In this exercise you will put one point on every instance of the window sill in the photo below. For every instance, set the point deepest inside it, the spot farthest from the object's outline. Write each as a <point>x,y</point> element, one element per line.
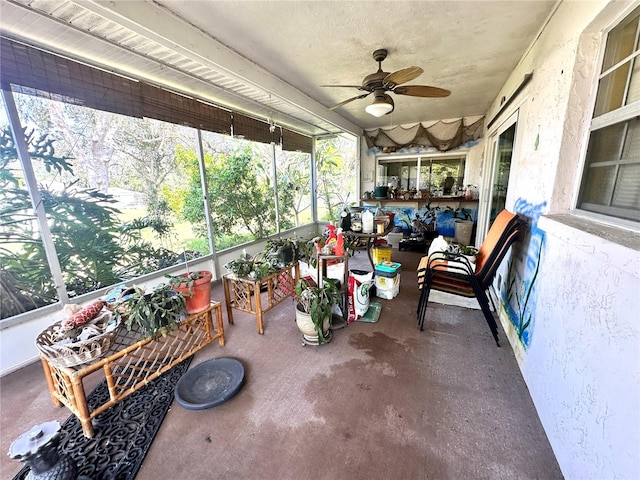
<point>605,232</point>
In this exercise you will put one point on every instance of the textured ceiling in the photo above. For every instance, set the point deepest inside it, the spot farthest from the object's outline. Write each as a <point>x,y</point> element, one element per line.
<point>270,58</point>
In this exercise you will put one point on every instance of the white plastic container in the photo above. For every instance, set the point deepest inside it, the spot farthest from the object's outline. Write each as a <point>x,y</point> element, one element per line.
<point>387,287</point>
<point>367,221</point>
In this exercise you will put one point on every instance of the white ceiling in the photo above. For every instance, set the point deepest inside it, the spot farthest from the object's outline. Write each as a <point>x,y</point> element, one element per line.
<point>270,58</point>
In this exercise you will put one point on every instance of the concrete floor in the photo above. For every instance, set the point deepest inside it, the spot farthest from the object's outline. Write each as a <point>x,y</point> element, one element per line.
<point>381,401</point>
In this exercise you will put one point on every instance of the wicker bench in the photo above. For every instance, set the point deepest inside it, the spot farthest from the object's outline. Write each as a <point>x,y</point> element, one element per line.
<point>132,362</point>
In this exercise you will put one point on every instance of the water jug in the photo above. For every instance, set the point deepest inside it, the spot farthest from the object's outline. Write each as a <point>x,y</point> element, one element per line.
<point>367,221</point>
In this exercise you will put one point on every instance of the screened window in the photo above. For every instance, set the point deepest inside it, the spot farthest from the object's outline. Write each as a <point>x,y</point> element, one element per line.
<point>337,175</point>
<point>294,188</point>
<point>611,179</point>
<point>116,165</point>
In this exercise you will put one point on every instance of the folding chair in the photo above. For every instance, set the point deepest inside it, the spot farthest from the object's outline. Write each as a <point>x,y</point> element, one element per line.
<point>455,274</point>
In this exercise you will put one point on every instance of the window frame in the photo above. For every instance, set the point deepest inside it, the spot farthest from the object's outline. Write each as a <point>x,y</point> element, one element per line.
<point>423,160</point>
<point>602,213</point>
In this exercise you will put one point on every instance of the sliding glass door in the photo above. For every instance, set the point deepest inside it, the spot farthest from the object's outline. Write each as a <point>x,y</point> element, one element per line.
<point>496,181</point>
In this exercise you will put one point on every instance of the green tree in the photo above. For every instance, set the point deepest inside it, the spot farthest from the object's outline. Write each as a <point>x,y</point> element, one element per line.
<point>294,187</point>
<point>82,134</point>
<point>239,184</point>
<point>25,278</point>
<point>148,151</point>
<point>336,167</point>
<point>238,196</point>
<point>94,249</point>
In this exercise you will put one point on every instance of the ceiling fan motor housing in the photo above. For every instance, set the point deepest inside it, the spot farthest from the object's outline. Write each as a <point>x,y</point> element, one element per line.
<point>374,81</point>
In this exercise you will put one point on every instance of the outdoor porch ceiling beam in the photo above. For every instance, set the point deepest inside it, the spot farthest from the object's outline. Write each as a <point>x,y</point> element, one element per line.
<point>164,27</point>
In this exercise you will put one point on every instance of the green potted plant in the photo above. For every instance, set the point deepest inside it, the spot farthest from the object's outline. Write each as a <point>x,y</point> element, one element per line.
<point>253,268</point>
<point>283,251</point>
<point>427,224</point>
<point>313,309</point>
<point>156,312</point>
<point>468,252</point>
<point>195,287</point>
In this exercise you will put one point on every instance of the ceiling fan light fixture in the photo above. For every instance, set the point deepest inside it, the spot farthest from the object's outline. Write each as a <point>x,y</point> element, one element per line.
<point>381,105</point>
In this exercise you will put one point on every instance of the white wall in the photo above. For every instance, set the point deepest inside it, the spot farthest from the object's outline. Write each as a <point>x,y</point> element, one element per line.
<point>583,366</point>
<point>582,363</point>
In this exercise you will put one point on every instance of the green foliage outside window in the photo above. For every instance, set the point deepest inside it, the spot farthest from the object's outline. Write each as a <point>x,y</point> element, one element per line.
<point>93,247</point>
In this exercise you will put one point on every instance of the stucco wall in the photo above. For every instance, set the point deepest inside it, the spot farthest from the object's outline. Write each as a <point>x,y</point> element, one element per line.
<point>580,355</point>
<point>583,365</point>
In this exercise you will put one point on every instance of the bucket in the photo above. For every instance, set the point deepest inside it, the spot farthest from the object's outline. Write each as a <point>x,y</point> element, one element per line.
<point>381,253</point>
<point>381,192</point>
<point>463,230</point>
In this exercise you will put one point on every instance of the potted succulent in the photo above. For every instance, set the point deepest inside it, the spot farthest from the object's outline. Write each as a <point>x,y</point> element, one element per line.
<point>156,312</point>
<point>195,287</point>
<point>468,252</point>
<point>313,309</point>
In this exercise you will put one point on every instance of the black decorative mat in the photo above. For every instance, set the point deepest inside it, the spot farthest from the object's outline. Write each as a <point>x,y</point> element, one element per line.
<point>123,433</point>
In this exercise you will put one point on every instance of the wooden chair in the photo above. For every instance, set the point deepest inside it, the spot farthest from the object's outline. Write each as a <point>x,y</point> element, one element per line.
<point>455,274</point>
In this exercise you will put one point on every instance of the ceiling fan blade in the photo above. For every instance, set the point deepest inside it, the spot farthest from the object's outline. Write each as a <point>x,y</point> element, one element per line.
<point>349,100</point>
<point>422,91</point>
<point>402,76</point>
<point>340,86</point>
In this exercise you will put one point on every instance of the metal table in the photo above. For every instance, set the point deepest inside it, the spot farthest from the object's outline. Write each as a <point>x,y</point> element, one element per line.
<point>370,239</point>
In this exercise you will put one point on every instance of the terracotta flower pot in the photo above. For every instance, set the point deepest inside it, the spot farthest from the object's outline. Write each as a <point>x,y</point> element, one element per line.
<point>197,292</point>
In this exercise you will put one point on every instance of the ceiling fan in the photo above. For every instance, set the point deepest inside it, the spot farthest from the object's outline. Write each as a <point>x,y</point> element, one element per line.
<point>379,83</point>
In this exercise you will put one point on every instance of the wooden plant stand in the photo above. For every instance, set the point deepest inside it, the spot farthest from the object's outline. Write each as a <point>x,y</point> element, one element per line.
<point>132,362</point>
<point>244,294</point>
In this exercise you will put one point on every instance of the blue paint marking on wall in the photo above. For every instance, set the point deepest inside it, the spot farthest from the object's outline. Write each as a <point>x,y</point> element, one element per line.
<point>519,295</point>
<point>445,220</point>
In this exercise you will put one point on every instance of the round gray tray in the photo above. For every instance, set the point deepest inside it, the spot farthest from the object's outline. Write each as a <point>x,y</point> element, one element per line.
<point>210,383</point>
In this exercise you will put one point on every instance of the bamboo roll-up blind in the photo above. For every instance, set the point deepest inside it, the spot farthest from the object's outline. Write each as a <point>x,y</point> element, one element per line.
<point>295,142</point>
<point>173,107</point>
<point>33,71</point>
<point>39,73</point>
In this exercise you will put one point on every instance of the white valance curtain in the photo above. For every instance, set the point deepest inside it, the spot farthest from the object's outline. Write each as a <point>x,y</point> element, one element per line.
<point>443,135</point>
